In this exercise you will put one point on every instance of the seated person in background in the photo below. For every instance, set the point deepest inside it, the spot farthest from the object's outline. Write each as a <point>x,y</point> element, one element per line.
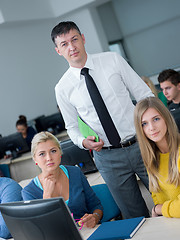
<point>170,83</point>
<point>10,192</point>
<point>66,181</point>
<point>159,143</point>
<point>154,90</point>
<point>26,131</point>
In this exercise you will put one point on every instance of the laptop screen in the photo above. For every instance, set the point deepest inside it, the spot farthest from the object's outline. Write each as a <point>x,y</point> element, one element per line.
<point>42,219</point>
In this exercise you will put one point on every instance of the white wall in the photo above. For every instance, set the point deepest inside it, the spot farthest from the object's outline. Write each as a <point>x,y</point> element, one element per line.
<point>149,30</point>
<point>30,67</point>
<point>151,33</point>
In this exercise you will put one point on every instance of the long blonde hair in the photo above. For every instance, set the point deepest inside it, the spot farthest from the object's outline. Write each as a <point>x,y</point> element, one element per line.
<point>149,150</point>
<point>151,85</point>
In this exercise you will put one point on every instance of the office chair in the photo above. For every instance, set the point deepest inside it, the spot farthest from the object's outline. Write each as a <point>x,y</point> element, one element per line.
<point>73,155</point>
<point>110,208</point>
<point>176,115</point>
<point>5,169</point>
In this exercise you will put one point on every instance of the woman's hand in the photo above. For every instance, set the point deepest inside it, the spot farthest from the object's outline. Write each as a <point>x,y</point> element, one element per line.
<point>89,220</point>
<point>156,210</point>
<point>48,183</point>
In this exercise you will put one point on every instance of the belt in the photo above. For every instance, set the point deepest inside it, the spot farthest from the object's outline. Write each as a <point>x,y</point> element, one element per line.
<point>123,145</point>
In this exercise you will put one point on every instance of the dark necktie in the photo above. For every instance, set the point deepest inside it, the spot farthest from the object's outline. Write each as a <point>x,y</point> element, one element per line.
<point>102,112</point>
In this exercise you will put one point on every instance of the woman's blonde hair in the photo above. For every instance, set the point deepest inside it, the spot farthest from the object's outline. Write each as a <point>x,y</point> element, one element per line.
<point>43,137</point>
<point>149,150</point>
<point>151,85</point>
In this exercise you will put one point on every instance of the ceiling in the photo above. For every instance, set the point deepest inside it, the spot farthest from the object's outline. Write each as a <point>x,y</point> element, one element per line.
<point>27,10</point>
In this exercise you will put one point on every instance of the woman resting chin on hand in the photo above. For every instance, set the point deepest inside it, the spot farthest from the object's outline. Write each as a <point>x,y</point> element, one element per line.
<point>57,180</point>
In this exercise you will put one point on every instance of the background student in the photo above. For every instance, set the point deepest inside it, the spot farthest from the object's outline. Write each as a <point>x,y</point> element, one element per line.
<point>118,160</point>
<point>65,181</point>
<point>154,90</point>
<point>159,143</point>
<point>169,80</point>
<point>10,192</point>
<point>26,131</point>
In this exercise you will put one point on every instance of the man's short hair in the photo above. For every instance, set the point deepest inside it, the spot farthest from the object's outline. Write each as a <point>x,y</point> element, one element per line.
<point>63,28</point>
<point>169,75</point>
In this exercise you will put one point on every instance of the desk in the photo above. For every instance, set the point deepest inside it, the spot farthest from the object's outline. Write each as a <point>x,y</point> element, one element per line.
<point>22,167</point>
<point>62,136</point>
<point>159,228</point>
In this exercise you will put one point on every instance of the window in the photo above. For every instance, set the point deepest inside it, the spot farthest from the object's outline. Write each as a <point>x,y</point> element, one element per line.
<point>118,47</point>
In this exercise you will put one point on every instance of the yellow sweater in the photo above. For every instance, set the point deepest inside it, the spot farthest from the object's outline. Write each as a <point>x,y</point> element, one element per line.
<point>169,194</point>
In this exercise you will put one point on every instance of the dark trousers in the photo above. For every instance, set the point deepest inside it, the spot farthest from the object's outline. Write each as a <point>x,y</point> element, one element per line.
<point>118,167</point>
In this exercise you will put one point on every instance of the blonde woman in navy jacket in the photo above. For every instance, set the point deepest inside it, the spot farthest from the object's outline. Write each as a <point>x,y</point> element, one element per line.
<point>66,181</point>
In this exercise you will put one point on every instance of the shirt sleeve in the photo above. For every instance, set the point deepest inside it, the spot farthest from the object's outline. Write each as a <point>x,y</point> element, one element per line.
<point>70,115</point>
<point>4,232</point>
<point>11,193</point>
<point>136,86</point>
<point>153,195</point>
<point>171,208</point>
<point>31,191</point>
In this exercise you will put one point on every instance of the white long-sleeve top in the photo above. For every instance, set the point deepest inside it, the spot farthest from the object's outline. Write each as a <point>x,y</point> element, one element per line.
<point>116,81</point>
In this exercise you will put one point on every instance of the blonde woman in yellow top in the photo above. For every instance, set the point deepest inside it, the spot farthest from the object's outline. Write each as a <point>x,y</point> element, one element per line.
<point>159,142</point>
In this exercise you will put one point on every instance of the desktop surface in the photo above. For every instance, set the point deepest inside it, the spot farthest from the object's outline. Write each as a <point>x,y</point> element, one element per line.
<point>158,228</point>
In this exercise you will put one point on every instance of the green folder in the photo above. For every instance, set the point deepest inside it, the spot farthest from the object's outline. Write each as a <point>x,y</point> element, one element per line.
<point>86,130</point>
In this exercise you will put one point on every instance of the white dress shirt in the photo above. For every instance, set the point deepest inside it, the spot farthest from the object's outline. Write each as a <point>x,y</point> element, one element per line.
<point>116,81</point>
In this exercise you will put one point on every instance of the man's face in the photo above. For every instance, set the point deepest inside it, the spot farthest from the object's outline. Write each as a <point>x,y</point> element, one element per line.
<point>71,47</point>
<point>171,92</point>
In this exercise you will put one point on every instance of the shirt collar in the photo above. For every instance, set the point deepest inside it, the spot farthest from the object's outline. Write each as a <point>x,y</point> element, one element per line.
<point>89,64</point>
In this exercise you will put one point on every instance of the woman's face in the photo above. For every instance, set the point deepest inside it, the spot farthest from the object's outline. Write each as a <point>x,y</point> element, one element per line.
<point>154,125</point>
<point>47,156</point>
<point>22,129</point>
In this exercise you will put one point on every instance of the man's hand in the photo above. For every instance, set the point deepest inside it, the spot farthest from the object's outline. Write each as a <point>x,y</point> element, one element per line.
<point>89,143</point>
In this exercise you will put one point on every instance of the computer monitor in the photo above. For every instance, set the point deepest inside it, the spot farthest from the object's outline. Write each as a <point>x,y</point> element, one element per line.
<point>38,123</point>
<point>14,143</point>
<point>73,155</point>
<point>2,153</point>
<point>43,219</point>
<point>53,123</point>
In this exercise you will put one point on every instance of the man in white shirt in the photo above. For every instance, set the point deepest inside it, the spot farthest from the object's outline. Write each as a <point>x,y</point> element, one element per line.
<point>116,81</point>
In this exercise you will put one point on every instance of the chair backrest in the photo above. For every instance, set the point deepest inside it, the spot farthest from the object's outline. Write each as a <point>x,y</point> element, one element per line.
<point>110,208</point>
<point>5,169</point>
<point>73,155</point>
<point>176,115</point>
